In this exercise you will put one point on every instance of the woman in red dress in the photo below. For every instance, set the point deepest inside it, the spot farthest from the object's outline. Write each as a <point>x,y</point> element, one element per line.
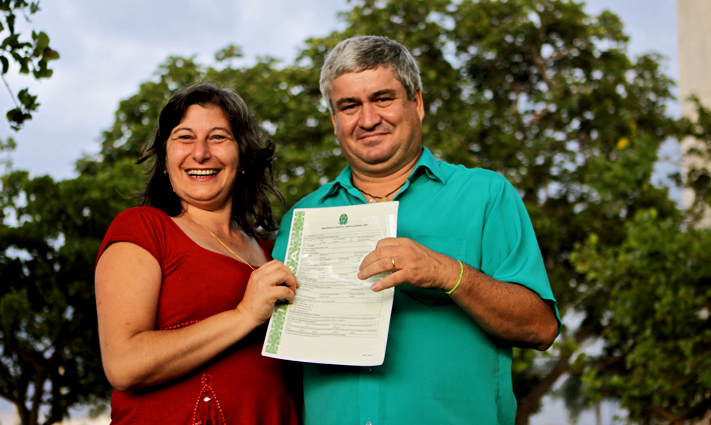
<point>186,283</point>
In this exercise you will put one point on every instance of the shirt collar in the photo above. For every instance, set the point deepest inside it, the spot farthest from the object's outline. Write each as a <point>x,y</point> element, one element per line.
<point>427,163</point>
<point>430,165</point>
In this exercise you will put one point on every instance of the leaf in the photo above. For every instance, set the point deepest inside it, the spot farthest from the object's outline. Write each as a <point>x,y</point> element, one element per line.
<point>5,64</point>
<point>41,44</point>
<point>27,100</point>
<point>29,56</point>
<point>17,117</point>
<point>11,42</point>
<point>229,52</point>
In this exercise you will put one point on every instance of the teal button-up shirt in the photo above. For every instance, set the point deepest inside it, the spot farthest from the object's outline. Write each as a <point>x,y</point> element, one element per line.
<point>440,367</point>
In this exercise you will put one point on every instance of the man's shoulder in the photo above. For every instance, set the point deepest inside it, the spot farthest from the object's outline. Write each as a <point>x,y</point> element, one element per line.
<point>460,174</point>
<point>313,200</point>
<point>316,197</point>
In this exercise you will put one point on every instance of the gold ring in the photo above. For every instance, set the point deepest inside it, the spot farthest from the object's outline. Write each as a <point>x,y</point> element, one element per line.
<point>393,261</point>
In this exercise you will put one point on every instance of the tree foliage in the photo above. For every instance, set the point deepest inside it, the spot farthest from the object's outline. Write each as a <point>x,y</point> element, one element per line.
<point>32,56</point>
<point>49,238</point>
<point>698,174</point>
<point>657,350</point>
<point>536,90</point>
<point>656,355</point>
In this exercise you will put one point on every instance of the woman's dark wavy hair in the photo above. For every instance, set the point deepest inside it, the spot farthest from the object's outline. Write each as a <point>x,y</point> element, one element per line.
<point>251,207</point>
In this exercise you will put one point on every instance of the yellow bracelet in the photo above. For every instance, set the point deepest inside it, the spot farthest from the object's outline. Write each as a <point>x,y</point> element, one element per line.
<point>461,273</point>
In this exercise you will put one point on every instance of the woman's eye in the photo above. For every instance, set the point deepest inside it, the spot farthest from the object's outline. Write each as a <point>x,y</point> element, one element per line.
<point>218,138</point>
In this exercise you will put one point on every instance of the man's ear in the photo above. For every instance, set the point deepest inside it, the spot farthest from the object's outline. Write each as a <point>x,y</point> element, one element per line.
<point>419,104</point>
<point>333,121</point>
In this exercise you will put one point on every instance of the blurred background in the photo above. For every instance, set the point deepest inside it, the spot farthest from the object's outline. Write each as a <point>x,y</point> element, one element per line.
<point>577,104</point>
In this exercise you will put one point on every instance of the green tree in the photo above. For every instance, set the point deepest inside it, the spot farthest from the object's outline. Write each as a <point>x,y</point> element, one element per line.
<point>698,174</point>
<point>656,356</point>
<point>49,236</point>
<point>285,99</point>
<point>536,90</point>
<point>30,55</point>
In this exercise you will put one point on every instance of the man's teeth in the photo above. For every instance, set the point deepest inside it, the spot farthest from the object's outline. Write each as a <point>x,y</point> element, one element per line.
<point>202,173</point>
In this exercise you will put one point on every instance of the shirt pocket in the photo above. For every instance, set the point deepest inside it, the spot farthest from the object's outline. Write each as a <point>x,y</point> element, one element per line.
<point>452,247</point>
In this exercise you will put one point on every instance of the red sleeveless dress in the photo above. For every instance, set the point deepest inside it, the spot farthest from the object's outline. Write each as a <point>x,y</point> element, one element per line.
<point>239,386</point>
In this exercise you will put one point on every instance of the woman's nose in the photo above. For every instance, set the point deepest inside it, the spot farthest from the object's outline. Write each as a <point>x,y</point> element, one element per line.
<point>201,150</point>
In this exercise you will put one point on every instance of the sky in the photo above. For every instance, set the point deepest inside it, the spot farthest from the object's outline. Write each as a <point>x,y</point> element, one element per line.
<point>109,48</point>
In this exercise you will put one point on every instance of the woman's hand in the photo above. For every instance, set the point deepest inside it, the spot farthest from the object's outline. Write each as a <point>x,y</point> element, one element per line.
<point>268,284</point>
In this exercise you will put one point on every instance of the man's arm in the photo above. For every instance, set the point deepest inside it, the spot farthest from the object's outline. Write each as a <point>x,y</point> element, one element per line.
<point>507,311</point>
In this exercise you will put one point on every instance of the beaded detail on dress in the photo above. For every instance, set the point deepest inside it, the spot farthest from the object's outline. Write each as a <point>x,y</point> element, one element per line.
<point>180,325</point>
<point>207,408</point>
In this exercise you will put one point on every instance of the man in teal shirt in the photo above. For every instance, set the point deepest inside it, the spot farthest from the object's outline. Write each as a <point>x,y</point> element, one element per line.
<point>468,274</point>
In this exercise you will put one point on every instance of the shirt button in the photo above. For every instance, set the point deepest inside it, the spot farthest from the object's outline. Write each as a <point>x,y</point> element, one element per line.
<point>368,422</point>
<point>369,371</point>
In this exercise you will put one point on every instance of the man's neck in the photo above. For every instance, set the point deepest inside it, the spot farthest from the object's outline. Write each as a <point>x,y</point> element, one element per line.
<point>378,186</point>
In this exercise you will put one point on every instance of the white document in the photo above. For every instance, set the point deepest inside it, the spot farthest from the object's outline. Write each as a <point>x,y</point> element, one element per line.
<point>335,318</point>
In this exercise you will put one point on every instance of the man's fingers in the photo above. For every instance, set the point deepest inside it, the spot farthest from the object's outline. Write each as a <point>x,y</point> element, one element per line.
<point>377,255</point>
<point>388,282</point>
<point>381,265</point>
<point>385,248</point>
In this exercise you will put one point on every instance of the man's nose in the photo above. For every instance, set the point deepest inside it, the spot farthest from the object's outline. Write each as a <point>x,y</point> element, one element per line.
<point>369,116</point>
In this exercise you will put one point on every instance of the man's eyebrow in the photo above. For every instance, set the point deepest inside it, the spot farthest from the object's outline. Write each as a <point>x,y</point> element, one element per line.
<point>383,92</point>
<point>388,92</point>
<point>346,100</point>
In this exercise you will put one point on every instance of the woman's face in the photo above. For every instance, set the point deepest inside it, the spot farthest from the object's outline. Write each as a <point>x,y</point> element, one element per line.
<point>202,158</point>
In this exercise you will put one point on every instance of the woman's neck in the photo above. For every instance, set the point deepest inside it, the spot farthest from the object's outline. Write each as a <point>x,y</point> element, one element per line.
<point>219,221</point>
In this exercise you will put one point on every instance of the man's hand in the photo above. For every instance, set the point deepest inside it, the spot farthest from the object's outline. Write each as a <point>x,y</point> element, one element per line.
<point>411,263</point>
<point>508,311</point>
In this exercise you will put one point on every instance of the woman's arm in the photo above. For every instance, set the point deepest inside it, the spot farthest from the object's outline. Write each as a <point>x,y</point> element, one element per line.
<point>128,282</point>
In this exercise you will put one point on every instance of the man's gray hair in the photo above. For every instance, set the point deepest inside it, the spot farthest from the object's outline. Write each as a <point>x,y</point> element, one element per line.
<point>369,52</point>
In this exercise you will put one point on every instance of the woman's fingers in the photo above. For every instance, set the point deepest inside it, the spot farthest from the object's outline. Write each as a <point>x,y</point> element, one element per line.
<point>268,285</point>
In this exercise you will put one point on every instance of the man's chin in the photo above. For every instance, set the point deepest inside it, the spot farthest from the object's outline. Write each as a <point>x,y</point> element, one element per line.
<point>376,156</point>
<point>376,163</point>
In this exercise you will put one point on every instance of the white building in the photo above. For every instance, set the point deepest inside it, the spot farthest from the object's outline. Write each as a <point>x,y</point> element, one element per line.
<point>694,17</point>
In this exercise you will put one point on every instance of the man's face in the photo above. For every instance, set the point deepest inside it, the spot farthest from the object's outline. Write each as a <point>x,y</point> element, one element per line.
<point>378,128</point>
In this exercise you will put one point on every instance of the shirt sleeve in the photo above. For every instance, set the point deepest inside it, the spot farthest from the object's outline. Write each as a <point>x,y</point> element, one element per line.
<point>139,226</point>
<point>510,249</point>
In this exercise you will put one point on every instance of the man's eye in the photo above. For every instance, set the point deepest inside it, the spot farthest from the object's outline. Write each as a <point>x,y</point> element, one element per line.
<point>349,109</point>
